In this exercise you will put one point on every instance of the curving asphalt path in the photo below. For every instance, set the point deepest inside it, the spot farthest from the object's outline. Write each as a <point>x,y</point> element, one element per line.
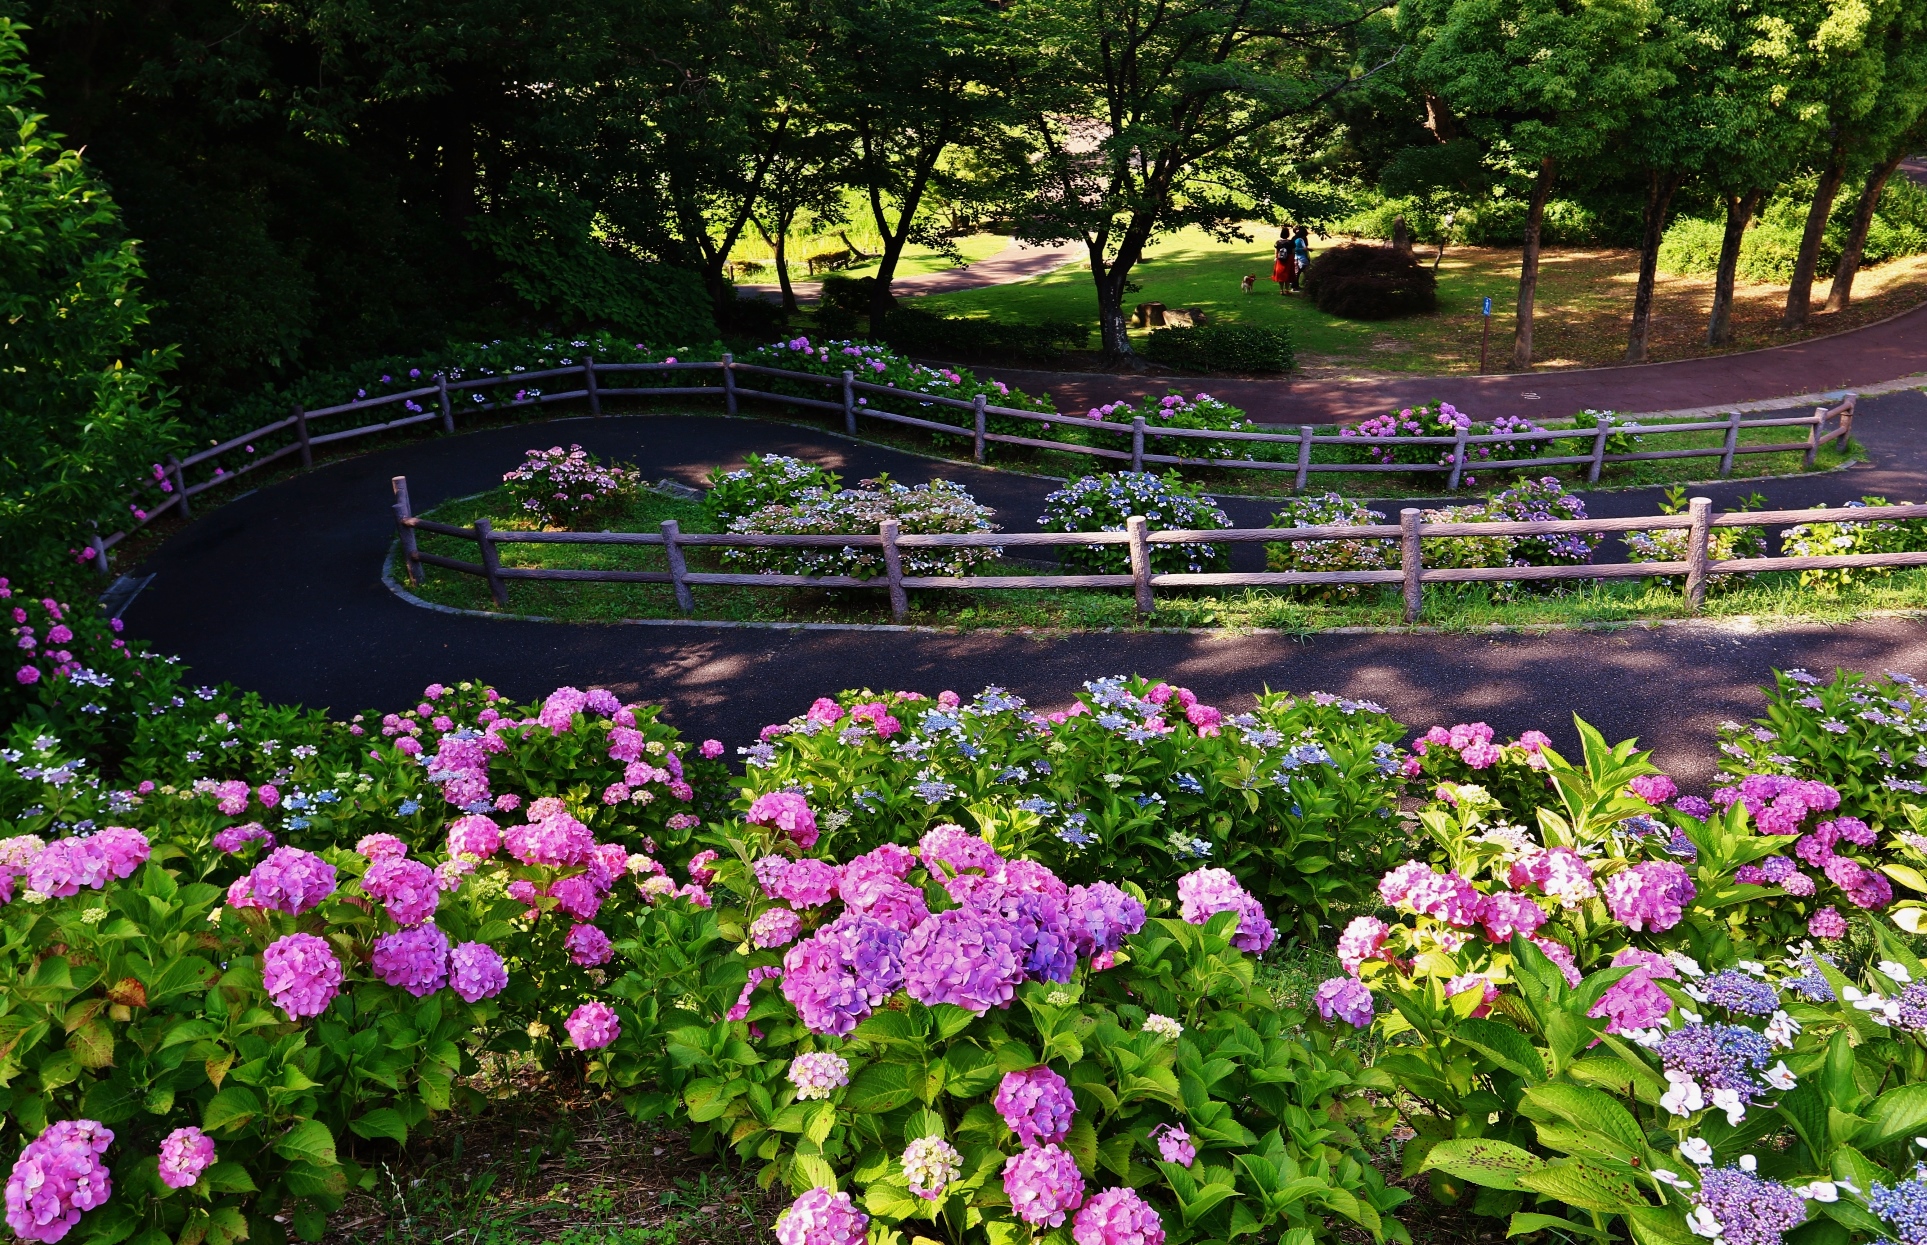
<point>280,591</point>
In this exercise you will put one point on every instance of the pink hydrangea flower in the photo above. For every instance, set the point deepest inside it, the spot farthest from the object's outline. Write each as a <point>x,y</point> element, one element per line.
<point>1174,1144</point>
<point>1346,999</point>
<point>1362,940</point>
<point>1481,755</point>
<point>711,749</point>
<point>234,838</point>
<point>555,838</point>
<point>1506,913</point>
<point>291,881</point>
<point>185,1154</point>
<point>1117,1217</point>
<point>777,927</point>
<point>559,709</point>
<point>593,1025</point>
<point>1827,923</point>
<point>958,850</point>
<point>1446,896</point>
<point>821,1217</point>
<point>787,811</point>
<point>588,946</point>
<point>1208,722</point>
<point>407,888</point>
<point>1037,1105</point>
<point>1650,896</point>
<point>699,865</point>
<point>1634,1002</point>
<point>578,896</point>
<point>381,847</point>
<point>1043,1185</point>
<point>268,795</point>
<point>1561,957</point>
<point>57,1178</point>
<point>1559,873</point>
<point>231,797</point>
<point>301,975</point>
<point>757,976</point>
<point>415,959</point>
<point>1205,892</point>
<point>476,972</point>
<point>1101,916</point>
<point>972,959</point>
<point>1655,789</point>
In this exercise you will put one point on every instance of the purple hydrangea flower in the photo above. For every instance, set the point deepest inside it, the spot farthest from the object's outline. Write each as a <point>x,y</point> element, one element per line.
<point>476,972</point>
<point>806,883</point>
<point>290,880</point>
<point>835,977</point>
<point>415,959</point>
<point>958,850</point>
<point>234,838</point>
<point>1037,1105</point>
<point>1174,1144</point>
<point>1206,892</point>
<point>1827,923</point>
<point>593,1025</point>
<point>1741,992</point>
<point>821,1217</point>
<point>1746,1210</point>
<point>1043,1185</point>
<point>1347,999</point>
<point>185,1154</point>
<point>588,946</point>
<point>787,811</point>
<point>962,956</point>
<point>301,974</point>
<point>1117,1217</point>
<point>1718,1056</point>
<point>1904,1205</point>
<point>1101,917</point>
<point>1650,896</point>
<point>1634,1002</point>
<point>777,927</point>
<point>406,888</point>
<point>474,835</point>
<point>57,1178</point>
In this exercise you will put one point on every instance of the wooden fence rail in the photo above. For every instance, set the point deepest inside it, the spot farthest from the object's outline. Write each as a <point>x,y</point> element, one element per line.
<point>438,403</point>
<point>1411,531</point>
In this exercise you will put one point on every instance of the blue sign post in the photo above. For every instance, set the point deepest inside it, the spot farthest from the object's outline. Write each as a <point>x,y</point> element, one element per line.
<point>1485,334</point>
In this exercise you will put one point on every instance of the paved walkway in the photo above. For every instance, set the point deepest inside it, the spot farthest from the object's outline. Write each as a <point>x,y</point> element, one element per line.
<point>1019,261</point>
<point>280,591</point>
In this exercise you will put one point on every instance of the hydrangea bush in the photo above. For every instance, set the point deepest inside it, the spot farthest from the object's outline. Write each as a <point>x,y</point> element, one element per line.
<point>762,481</point>
<point>1872,535</point>
<point>566,488</point>
<point>941,506</point>
<point>1723,543</point>
<point>1441,420</point>
<point>1102,503</point>
<point>1329,510</point>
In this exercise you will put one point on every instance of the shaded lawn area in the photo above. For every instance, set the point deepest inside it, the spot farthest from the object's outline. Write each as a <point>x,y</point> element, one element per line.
<point>1584,306</point>
<point>1449,607</point>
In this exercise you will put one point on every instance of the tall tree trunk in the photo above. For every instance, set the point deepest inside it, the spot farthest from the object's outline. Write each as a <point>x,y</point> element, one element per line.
<point>1660,189</point>
<point>1111,279</point>
<point>1799,296</point>
<point>776,242</point>
<point>1842,292</point>
<point>1529,264</point>
<point>1739,211</point>
<point>881,300</point>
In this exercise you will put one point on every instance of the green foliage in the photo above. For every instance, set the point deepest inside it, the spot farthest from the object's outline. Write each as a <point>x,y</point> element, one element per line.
<point>1233,349</point>
<point>82,409</point>
<point>1370,283</point>
<point>1807,540</point>
<point>1768,251</point>
<point>762,481</point>
<point>921,332</point>
<point>1329,510</point>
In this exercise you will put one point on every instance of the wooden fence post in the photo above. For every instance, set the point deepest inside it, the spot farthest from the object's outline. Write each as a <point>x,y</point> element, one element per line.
<point>410,552</point>
<point>588,383</point>
<point>1846,420</point>
<point>448,409</point>
<point>977,421</point>
<point>729,383</point>
<point>1813,437</point>
<point>1140,563</point>
<point>99,547</point>
<point>491,562</point>
<point>893,565</point>
<point>179,473</point>
<point>1598,448</point>
<point>301,431</point>
<point>671,538</point>
<point>849,401</point>
<point>1698,551</point>
<point>1732,440</point>
<point>1137,443</point>
<point>1458,461</point>
<point>1304,458</point>
<point>1412,562</point>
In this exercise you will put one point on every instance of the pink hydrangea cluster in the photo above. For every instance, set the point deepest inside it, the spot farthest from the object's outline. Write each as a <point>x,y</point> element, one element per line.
<point>289,880</point>
<point>1174,1144</point>
<point>1558,873</point>
<point>414,959</point>
<point>1043,1185</point>
<point>1864,887</point>
<point>966,957</point>
<point>185,1154</point>
<point>407,888</point>
<point>878,715</point>
<point>560,707</point>
<point>1505,913</point>
<point>1036,1104</point>
<point>778,927</point>
<point>64,866</point>
<point>818,1074</point>
<point>476,971</point>
<point>1363,939</point>
<point>700,871</point>
<point>234,838</point>
<point>1117,1217</point>
<point>873,883</point>
<point>1634,1002</point>
<point>958,851</point>
<point>757,976</point>
<point>474,835</point>
<point>1777,803</point>
<point>788,812</point>
<point>806,883</point>
<point>57,1178</point>
<point>838,975</point>
<point>231,797</point>
<point>1346,999</point>
<point>588,946</point>
<point>1650,896</point>
<point>550,837</point>
<point>1101,917</point>
<point>821,1217</point>
<point>1417,887</point>
<point>1203,893</point>
<point>301,975</point>
<point>1827,923</point>
<point>381,847</point>
<point>1471,740</point>
<point>460,767</point>
<point>593,1025</point>
<point>1655,789</point>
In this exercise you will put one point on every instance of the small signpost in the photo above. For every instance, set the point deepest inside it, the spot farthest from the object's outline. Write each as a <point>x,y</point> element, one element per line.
<point>1485,334</point>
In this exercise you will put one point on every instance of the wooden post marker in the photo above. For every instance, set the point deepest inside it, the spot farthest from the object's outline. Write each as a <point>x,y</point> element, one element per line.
<point>99,547</point>
<point>1304,458</point>
<point>1137,443</point>
<point>893,564</point>
<point>977,422</point>
<point>1813,437</point>
<point>849,401</point>
<point>1458,460</point>
<point>491,562</point>
<point>1732,440</point>
<point>729,383</point>
<point>678,572</point>
<point>1698,551</point>
<point>448,410</point>
<point>1140,563</point>
<point>589,385</point>
<point>410,553</point>
<point>1598,448</point>
<point>1412,562</point>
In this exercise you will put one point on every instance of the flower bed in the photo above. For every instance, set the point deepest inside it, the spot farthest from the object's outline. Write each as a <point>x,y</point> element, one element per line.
<point>564,488</point>
<point>1103,504</point>
<point>1442,420</point>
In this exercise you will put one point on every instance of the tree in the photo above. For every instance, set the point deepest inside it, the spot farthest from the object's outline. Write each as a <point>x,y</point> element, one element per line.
<point>1544,84</point>
<point>82,408</point>
<point>1840,294</point>
<point>1146,116</point>
<point>806,178</point>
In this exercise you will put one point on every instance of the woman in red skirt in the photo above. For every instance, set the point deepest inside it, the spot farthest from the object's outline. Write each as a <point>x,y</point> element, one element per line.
<point>1284,262</point>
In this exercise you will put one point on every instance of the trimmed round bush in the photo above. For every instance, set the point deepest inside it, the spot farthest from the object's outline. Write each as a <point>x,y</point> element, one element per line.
<point>1221,348</point>
<point>1370,283</point>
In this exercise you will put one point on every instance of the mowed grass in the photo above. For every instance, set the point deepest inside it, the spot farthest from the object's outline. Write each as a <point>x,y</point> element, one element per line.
<point>1448,607</point>
<point>1584,306</point>
<point>915,260</point>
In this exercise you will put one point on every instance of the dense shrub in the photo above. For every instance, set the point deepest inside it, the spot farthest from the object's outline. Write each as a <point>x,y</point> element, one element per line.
<point>1723,543</point>
<point>1233,349</point>
<point>1103,503</point>
<point>1441,420</point>
<point>1772,244</point>
<point>937,507</point>
<point>566,488</point>
<point>1535,501</point>
<point>916,331</point>
<point>762,481</point>
<point>1370,283</point>
<point>1810,540</point>
<point>1329,510</point>
<point>879,365</point>
<point>1174,410</point>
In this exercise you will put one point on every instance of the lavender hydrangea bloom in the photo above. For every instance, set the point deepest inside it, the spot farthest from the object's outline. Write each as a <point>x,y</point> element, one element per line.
<point>872,951</point>
<point>1745,1209</point>
<point>1650,896</point>
<point>185,1154</point>
<point>821,1217</point>
<point>57,1178</point>
<point>593,1025</point>
<point>1043,1185</point>
<point>234,838</point>
<point>1904,1206</point>
<point>1718,1056</point>
<point>835,977</point>
<point>476,972</point>
<point>1117,1217</point>
<point>291,880</point>
<point>1037,1105</point>
<point>963,957</point>
<point>1101,917</point>
<point>818,1074</point>
<point>1174,1144</point>
<point>1206,892</point>
<point>588,946</point>
<point>777,927</point>
<point>301,975</point>
<point>415,959</point>
<point>1050,947</point>
<point>1741,992</point>
<point>1346,999</point>
<point>1913,1007</point>
<point>406,888</point>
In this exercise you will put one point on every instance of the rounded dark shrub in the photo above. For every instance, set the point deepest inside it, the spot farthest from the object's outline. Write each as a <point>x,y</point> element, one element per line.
<point>1370,283</point>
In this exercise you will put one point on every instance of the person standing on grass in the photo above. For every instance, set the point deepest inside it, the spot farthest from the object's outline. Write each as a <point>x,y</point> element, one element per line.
<point>1284,262</point>
<point>1300,254</point>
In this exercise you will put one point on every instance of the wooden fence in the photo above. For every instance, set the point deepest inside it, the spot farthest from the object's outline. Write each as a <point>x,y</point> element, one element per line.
<point>1131,438</point>
<point>1412,574</point>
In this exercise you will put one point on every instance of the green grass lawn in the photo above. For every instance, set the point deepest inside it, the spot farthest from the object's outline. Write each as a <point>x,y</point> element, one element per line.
<point>1451,607</point>
<point>915,260</point>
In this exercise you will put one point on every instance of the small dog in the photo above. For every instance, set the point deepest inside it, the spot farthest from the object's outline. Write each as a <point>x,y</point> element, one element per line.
<point>1250,280</point>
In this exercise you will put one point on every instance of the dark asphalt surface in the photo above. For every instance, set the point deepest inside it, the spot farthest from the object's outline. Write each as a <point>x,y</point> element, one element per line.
<point>280,591</point>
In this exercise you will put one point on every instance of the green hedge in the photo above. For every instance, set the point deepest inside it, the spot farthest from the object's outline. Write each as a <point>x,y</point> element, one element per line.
<point>1221,348</point>
<point>922,332</point>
